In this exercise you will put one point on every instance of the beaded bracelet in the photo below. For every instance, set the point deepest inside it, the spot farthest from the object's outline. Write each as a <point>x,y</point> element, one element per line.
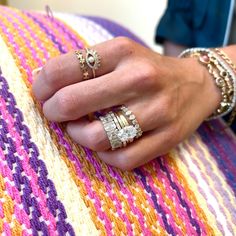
<point>232,65</point>
<point>223,75</point>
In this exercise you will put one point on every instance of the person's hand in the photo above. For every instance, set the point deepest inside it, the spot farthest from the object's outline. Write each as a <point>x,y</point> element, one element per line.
<point>170,98</point>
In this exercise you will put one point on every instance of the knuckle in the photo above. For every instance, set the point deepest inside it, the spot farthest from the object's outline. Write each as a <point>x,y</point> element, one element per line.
<point>147,75</point>
<point>124,45</point>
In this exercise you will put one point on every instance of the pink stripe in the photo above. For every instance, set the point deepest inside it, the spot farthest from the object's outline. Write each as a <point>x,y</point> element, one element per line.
<point>150,201</point>
<point>82,176</point>
<point>13,192</point>
<point>17,50</point>
<point>32,34</point>
<point>1,209</point>
<point>28,170</point>
<point>123,189</point>
<point>21,31</point>
<point>51,26</point>
<point>22,216</point>
<point>214,178</point>
<point>171,194</point>
<point>184,195</point>
<point>7,229</point>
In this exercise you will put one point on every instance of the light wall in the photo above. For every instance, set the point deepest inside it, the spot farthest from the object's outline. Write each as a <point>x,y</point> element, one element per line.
<point>141,16</point>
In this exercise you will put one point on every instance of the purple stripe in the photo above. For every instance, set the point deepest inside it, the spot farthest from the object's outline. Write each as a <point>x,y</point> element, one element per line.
<point>21,181</point>
<point>157,206</point>
<point>71,37</point>
<point>114,28</point>
<point>219,152</point>
<point>214,178</point>
<point>181,199</point>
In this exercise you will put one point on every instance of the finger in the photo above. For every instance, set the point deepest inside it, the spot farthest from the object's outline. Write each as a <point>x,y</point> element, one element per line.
<point>65,70</point>
<point>93,135</point>
<point>148,147</point>
<point>88,134</point>
<point>78,100</point>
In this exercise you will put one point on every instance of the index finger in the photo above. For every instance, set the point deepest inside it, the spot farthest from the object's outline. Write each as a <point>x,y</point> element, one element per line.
<point>65,70</point>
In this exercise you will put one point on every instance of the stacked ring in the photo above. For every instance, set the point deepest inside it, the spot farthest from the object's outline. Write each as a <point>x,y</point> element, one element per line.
<point>83,67</point>
<point>92,60</point>
<point>121,127</point>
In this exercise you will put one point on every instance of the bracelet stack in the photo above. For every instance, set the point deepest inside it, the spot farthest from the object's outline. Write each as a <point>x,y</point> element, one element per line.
<point>223,71</point>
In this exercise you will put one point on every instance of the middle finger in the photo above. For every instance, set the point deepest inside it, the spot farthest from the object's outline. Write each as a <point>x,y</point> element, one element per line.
<point>77,100</point>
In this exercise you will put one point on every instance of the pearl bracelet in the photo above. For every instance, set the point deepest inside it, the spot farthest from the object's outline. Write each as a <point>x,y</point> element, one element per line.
<point>223,75</point>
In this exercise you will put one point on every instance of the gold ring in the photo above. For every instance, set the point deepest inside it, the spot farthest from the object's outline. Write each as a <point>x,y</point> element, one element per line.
<point>83,67</point>
<point>93,60</point>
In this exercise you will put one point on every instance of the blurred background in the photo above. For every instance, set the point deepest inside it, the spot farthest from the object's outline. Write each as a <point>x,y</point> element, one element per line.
<point>140,16</point>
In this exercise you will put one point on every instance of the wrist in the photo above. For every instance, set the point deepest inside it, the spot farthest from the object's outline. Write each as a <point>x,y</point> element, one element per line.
<point>222,70</point>
<point>210,95</point>
<point>231,52</point>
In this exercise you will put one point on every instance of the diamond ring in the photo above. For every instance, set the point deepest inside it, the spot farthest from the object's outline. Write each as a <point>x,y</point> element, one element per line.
<point>121,127</point>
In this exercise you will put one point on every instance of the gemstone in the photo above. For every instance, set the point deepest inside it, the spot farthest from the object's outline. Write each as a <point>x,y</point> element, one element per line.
<point>131,117</point>
<point>110,126</point>
<point>91,60</point>
<point>127,133</point>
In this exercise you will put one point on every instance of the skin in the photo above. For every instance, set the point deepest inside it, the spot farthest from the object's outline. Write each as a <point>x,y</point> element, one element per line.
<point>170,98</point>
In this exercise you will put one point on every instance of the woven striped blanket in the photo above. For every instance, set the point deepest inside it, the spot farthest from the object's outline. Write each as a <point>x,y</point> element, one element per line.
<point>52,186</point>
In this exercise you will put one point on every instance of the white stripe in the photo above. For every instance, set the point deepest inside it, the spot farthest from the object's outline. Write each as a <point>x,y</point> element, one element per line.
<point>211,200</point>
<point>87,29</point>
<point>229,23</point>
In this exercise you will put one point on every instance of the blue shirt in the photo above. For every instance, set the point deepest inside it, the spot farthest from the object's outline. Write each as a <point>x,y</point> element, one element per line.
<point>196,23</point>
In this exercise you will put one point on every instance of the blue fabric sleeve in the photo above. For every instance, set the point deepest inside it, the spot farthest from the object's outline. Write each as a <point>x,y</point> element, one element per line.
<point>176,25</point>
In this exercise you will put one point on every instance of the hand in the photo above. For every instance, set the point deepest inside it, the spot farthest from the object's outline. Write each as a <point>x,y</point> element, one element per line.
<point>170,98</point>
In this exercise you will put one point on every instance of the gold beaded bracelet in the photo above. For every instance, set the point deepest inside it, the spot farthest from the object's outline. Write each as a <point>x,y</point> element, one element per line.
<point>233,66</point>
<point>223,73</point>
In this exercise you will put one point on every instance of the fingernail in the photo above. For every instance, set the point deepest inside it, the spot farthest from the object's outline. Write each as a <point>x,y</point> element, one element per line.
<point>36,71</point>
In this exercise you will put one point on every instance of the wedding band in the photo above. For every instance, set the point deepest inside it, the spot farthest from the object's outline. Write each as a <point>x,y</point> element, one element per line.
<point>132,119</point>
<point>121,127</point>
<point>83,67</point>
<point>111,130</point>
<point>93,60</point>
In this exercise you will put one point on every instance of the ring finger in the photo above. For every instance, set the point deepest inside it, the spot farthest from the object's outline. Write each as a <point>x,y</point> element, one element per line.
<point>93,135</point>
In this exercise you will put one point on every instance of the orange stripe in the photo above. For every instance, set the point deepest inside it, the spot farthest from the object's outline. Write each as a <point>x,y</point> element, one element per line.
<point>191,196</point>
<point>8,210</point>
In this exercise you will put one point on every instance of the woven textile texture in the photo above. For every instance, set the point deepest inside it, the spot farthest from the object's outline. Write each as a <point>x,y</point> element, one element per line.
<point>51,186</point>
